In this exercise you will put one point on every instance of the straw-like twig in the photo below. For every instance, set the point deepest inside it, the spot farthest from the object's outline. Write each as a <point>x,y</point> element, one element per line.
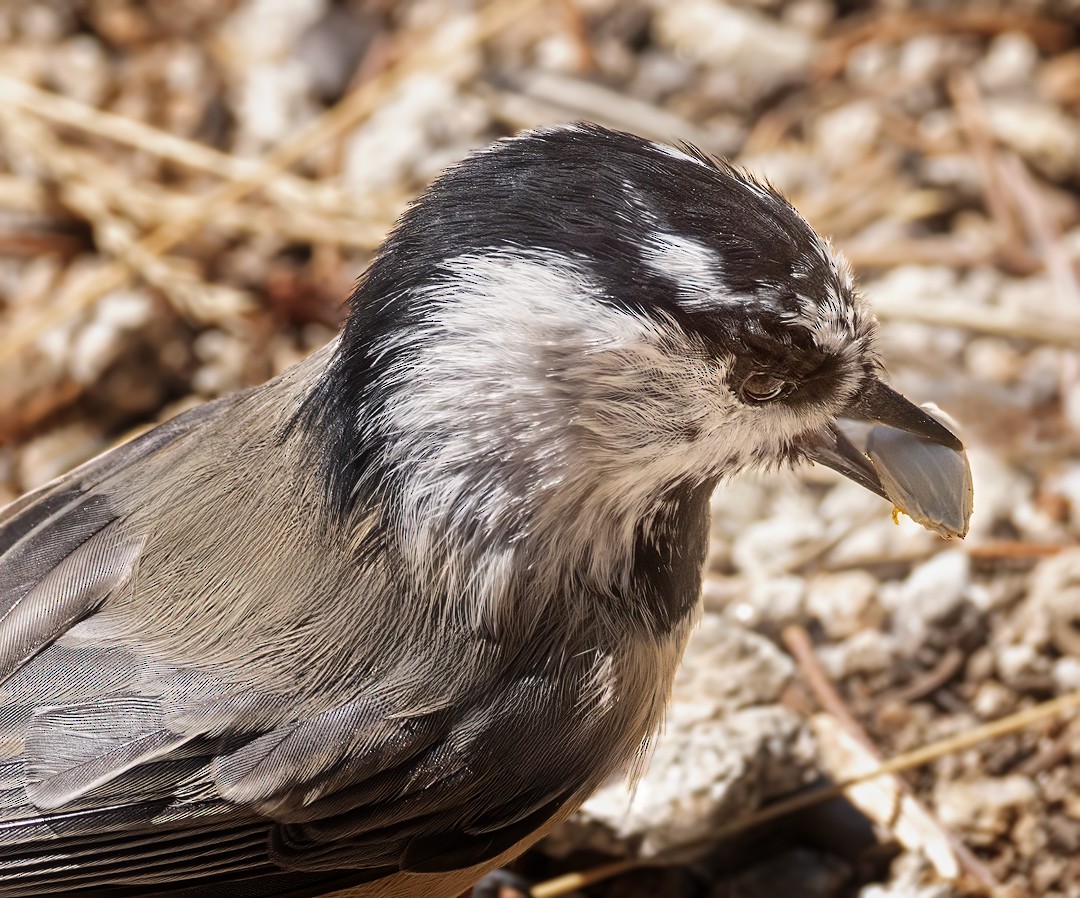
<point>283,187</point>
<point>564,885</point>
<point>80,189</point>
<point>444,44</point>
<point>1057,329</point>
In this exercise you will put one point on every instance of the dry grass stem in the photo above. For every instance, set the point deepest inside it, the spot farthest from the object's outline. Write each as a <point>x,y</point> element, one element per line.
<point>564,885</point>
<point>432,53</point>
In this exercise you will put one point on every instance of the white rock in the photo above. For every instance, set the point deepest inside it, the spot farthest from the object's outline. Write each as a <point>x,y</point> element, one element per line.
<point>711,761</point>
<point>1052,602</point>
<point>100,342</point>
<point>869,63</point>
<point>993,359</point>
<point>993,700</point>
<point>773,543</point>
<point>397,137</point>
<point>1044,135</point>
<point>910,877</point>
<point>842,602</point>
<point>96,346</point>
<point>1017,662</point>
<point>983,809</point>
<point>81,69</point>
<point>44,22</point>
<point>776,600</point>
<point>266,29</point>
<point>55,452</point>
<point>1010,63</point>
<point>1066,674</point>
<point>699,773</point>
<point>729,667</point>
<point>845,134</point>
<point>559,52</point>
<point>272,101</point>
<point>867,652</point>
<point>735,40</point>
<point>924,57</point>
<point>932,593</point>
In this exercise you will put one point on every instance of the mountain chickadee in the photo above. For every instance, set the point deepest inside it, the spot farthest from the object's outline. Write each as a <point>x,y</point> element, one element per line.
<point>382,621</point>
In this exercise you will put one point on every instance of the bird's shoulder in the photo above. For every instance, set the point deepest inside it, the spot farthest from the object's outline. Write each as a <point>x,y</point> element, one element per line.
<point>164,675</point>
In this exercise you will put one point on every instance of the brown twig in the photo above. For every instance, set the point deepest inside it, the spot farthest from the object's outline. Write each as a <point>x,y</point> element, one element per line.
<point>1055,329</point>
<point>286,188</point>
<point>1044,232</point>
<point>801,647</point>
<point>443,44</point>
<point>968,104</point>
<point>900,25</point>
<point>74,175</point>
<point>911,760</point>
<point>953,251</point>
<point>798,642</point>
<point>949,665</point>
<point>1015,550</point>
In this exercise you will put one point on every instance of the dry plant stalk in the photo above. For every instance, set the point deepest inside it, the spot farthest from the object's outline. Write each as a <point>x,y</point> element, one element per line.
<point>564,885</point>
<point>83,184</point>
<point>445,43</point>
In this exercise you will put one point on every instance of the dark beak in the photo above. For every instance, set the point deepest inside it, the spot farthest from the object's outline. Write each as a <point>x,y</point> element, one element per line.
<point>883,405</point>
<point>911,459</point>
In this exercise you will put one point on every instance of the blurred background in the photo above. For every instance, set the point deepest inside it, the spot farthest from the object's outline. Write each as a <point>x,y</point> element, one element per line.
<point>190,188</point>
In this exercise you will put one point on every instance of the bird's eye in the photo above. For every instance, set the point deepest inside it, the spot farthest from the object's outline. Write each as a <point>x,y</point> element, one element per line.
<point>761,387</point>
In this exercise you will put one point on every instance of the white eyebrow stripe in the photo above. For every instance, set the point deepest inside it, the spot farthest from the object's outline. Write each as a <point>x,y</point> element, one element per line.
<point>689,263</point>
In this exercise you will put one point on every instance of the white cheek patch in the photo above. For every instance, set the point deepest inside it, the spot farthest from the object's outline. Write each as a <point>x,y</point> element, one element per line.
<point>525,399</point>
<point>691,265</point>
<point>495,312</point>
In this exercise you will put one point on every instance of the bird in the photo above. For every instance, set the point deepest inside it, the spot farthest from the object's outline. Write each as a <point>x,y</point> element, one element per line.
<point>377,624</point>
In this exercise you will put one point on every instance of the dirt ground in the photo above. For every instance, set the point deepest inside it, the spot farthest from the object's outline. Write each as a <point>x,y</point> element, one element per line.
<point>189,188</point>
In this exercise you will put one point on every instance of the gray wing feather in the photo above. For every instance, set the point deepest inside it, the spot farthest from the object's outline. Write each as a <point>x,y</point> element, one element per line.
<point>69,592</point>
<point>78,748</point>
<point>28,513</point>
<point>124,762</point>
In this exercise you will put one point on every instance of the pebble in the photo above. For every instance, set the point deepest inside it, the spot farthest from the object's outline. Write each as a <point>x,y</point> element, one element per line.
<point>994,359</point>
<point>864,653</point>
<point>843,603</point>
<point>930,595</point>
<point>100,342</point>
<point>81,70</point>
<point>774,545</point>
<point>700,772</point>
<point>753,54</point>
<point>1052,602</point>
<point>846,134</point>
<point>910,877</point>
<point>983,809</point>
<point>778,601</point>
<point>55,452</point>
<point>993,700</point>
<point>1043,135</point>
<point>725,748</point>
<point>727,667</point>
<point>331,48</point>
<point>1009,64</point>
<point>1017,663</point>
